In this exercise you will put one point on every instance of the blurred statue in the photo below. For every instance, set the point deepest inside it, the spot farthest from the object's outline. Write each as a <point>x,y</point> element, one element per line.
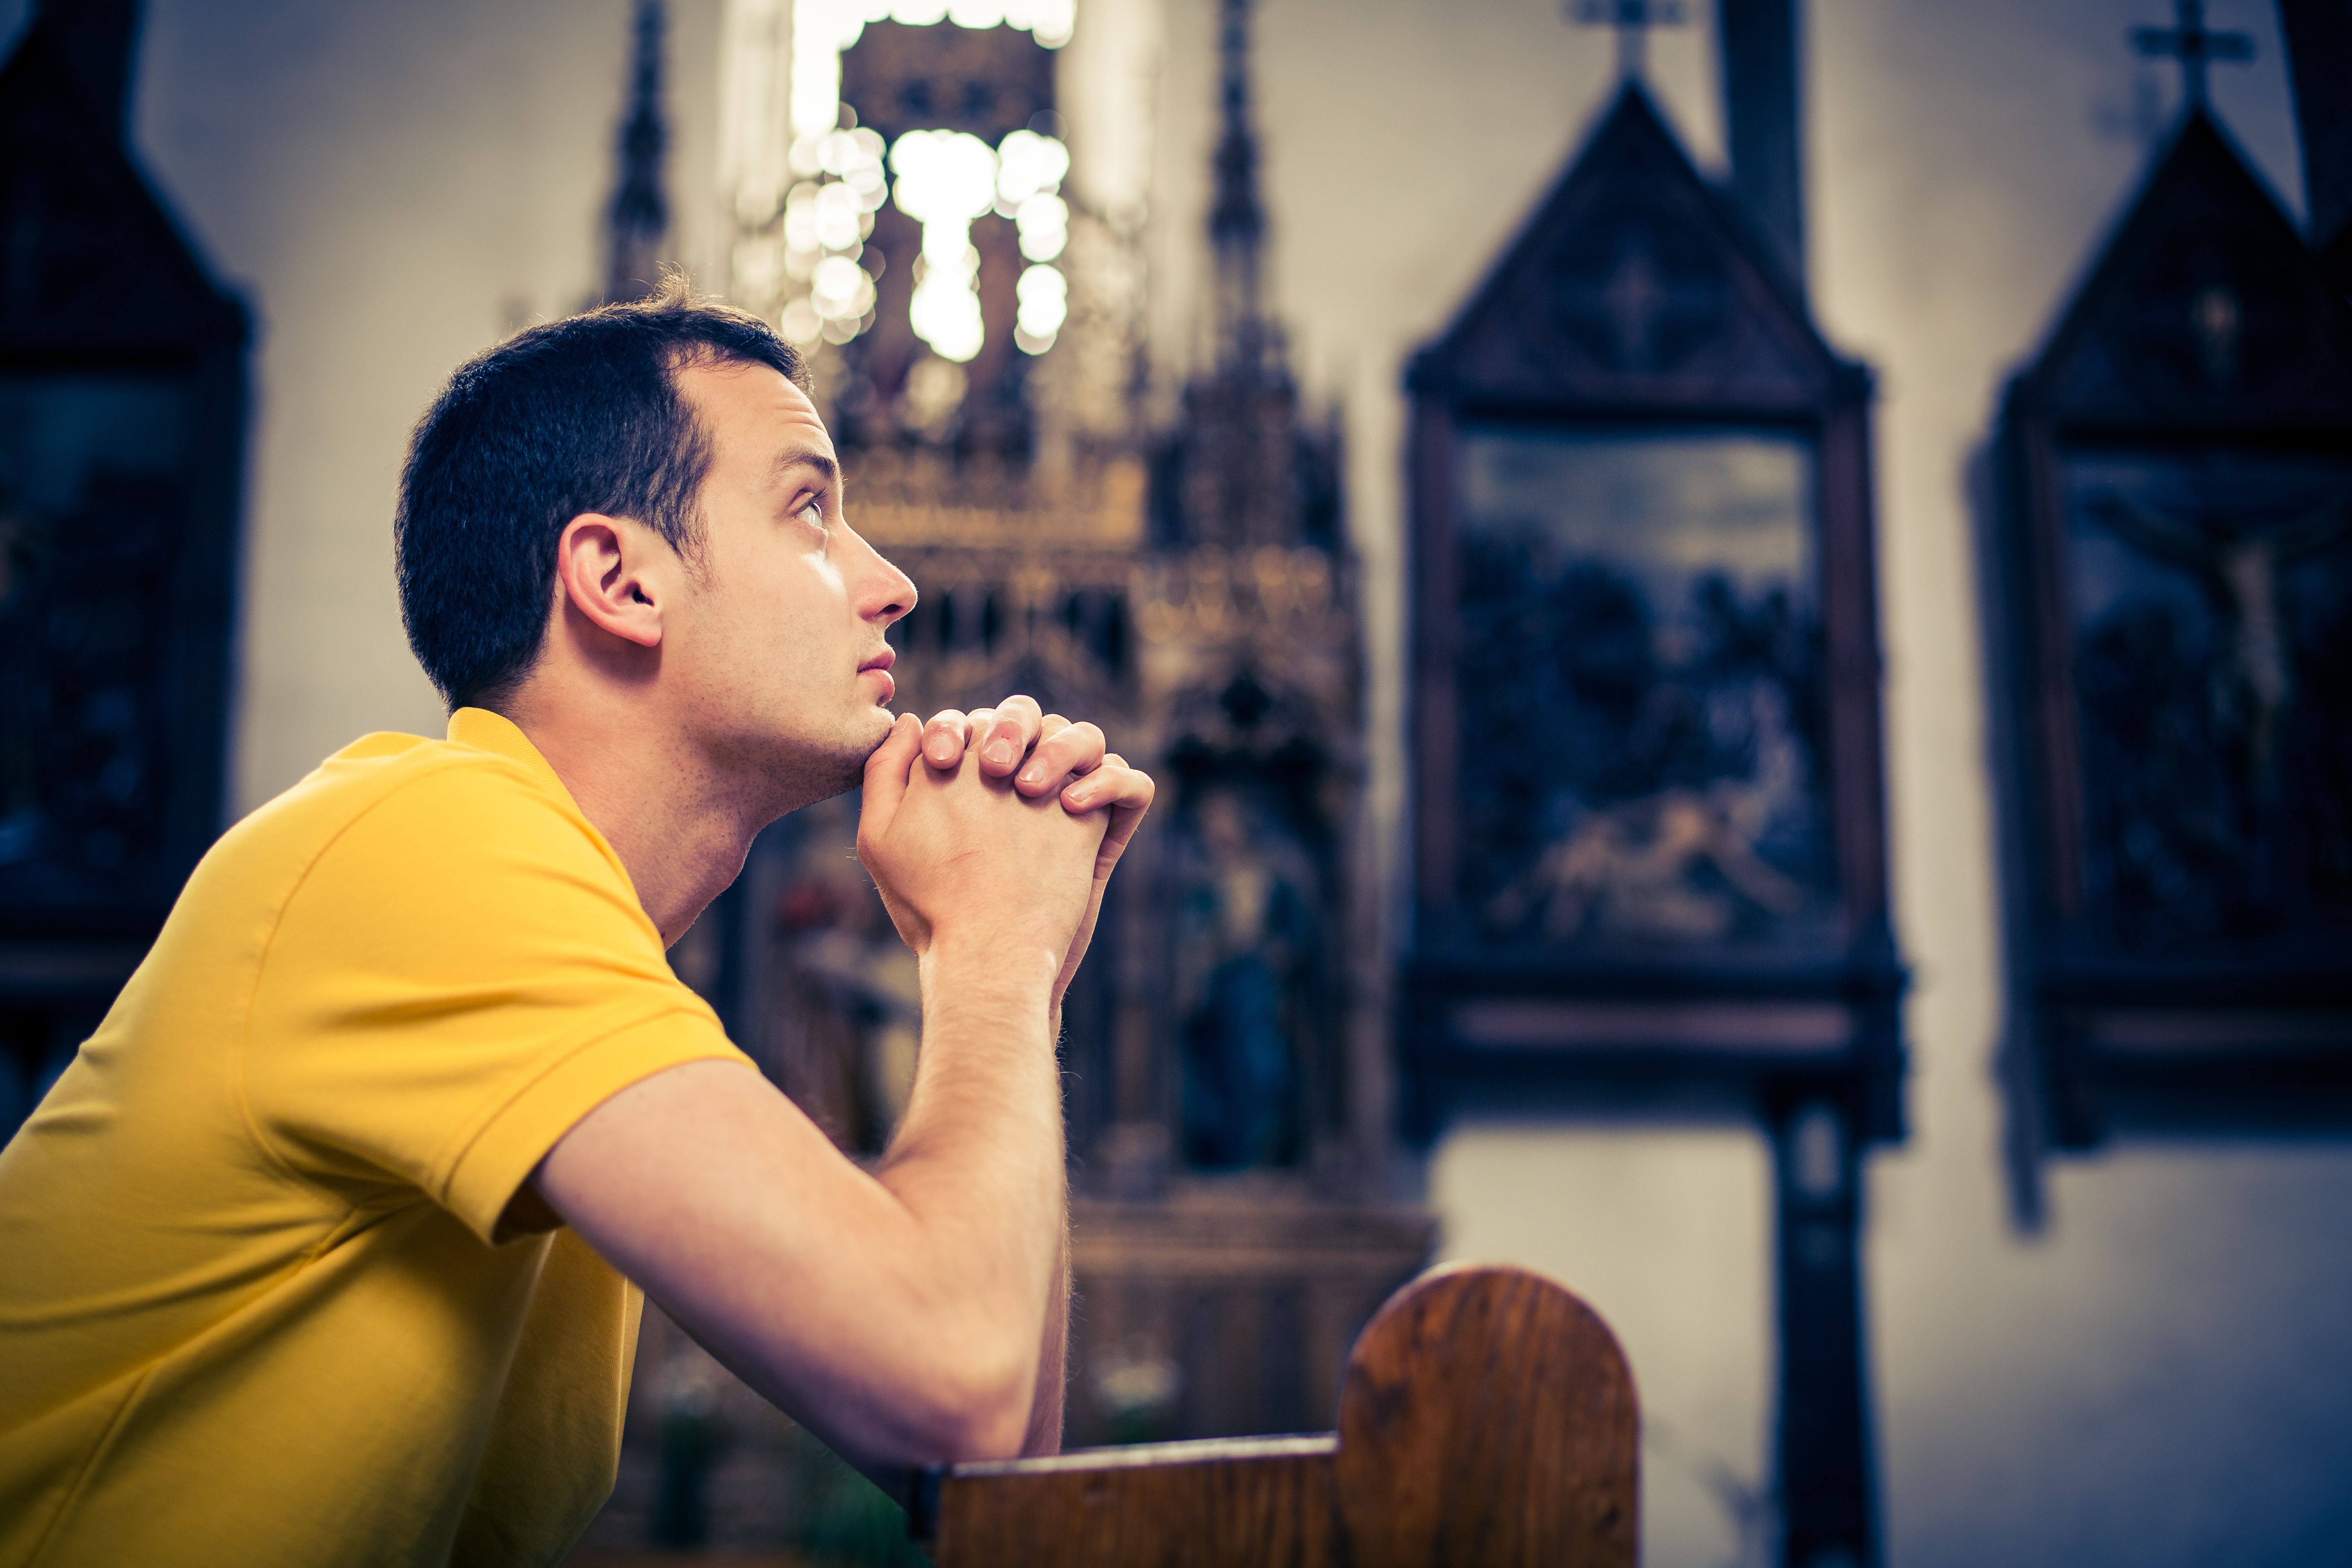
<point>1245,947</point>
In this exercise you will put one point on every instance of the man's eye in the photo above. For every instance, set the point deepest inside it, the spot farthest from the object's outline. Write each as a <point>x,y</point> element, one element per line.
<point>812,514</point>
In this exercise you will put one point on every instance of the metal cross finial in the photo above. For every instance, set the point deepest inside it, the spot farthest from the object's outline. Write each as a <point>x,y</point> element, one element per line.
<point>1632,19</point>
<point>2194,47</point>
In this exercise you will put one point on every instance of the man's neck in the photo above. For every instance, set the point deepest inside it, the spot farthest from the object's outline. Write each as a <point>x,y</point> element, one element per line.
<point>680,825</point>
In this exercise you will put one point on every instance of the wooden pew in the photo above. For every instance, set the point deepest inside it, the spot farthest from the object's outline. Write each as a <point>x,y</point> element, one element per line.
<point>1486,1417</point>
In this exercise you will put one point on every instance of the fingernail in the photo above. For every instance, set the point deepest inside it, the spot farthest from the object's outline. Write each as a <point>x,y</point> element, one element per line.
<point>1033,775</point>
<point>1000,754</point>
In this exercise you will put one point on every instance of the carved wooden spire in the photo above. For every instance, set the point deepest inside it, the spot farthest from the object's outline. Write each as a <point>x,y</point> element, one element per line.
<point>1237,218</point>
<point>638,220</point>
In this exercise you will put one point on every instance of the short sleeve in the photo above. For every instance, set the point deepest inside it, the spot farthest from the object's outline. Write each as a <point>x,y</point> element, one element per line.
<point>460,975</point>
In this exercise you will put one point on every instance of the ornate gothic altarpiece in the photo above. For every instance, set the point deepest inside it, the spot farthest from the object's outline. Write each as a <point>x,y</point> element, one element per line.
<point>121,420</point>
<point>1648,820</point>
<point>2171,617</point>
<point>1187,586</point>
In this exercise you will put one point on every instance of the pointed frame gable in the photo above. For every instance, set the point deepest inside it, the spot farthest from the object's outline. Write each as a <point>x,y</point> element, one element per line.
<point>98,267</point>
<point>1635,283</point>
<point>2204,311</point>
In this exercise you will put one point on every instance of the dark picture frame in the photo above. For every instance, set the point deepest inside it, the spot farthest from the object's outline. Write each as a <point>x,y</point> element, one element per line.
<point>2168,587</point>
<point>1727,352</point>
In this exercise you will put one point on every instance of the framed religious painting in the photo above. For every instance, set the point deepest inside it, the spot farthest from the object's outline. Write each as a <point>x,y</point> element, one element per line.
<point>121,434</point>
<point>1648,823</point>
<point>1648,820</point>
<point>2171,612</point>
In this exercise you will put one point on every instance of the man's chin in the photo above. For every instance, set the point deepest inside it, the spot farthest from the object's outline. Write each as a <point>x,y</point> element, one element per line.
<point>847,765</point>
<point>883,722</point>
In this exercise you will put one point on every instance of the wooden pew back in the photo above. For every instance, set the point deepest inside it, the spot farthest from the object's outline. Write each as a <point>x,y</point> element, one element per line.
<point>1486,1417</point>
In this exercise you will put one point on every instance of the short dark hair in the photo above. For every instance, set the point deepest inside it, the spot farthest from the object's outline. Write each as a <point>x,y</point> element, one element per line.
<point>577,416</point>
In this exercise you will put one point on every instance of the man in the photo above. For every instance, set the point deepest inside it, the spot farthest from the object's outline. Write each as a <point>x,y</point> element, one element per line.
<point>320,1251</point>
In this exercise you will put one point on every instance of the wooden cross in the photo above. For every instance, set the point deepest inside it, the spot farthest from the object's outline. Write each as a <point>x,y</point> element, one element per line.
<point>1632,19</point>
<point>2194,47</point>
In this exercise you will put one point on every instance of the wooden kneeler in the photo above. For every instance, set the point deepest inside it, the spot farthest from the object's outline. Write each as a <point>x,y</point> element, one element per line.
<point>1488,1418</point>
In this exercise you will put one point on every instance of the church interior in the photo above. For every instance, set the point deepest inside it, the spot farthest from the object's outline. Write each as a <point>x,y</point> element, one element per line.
<point>1742,610</point>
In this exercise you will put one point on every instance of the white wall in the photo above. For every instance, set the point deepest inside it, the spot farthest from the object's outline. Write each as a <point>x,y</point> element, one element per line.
<point>1668,1234</point>
<point>394,187</point>
<point>2166,1375</point>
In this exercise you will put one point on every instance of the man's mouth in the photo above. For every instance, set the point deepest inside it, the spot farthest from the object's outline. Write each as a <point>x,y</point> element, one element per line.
<point>880,665</point>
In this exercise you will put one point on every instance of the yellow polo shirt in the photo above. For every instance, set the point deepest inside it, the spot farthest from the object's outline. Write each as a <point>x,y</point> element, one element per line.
<point>251,1311</point>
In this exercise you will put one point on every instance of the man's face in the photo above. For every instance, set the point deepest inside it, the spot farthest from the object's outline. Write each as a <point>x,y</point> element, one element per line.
<point>777,645</point>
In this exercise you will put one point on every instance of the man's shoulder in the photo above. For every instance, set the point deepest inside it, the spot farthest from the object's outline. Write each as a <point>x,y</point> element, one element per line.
<point>407,800</point>
<point>409,857</point>
<point>359,780</point>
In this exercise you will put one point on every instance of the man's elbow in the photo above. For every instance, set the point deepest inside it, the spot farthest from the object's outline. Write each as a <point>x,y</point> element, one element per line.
<point>976,1407</point>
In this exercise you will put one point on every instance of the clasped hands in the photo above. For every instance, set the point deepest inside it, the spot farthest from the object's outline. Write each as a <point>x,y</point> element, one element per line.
<point>996,831</point>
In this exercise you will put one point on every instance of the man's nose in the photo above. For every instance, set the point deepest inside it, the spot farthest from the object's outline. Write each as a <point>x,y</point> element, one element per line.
<point>890,592</point>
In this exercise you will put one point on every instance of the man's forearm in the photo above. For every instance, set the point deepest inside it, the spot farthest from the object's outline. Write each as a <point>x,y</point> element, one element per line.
<point>979,1163</point>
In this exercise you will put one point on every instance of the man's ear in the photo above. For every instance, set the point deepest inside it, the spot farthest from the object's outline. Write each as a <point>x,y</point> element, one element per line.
<point>601,566</point>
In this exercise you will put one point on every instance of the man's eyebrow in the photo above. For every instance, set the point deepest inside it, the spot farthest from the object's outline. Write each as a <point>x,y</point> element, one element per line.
<point>788,460</point>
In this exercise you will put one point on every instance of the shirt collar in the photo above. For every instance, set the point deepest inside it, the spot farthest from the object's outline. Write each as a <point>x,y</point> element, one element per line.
<point>489,731</point>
